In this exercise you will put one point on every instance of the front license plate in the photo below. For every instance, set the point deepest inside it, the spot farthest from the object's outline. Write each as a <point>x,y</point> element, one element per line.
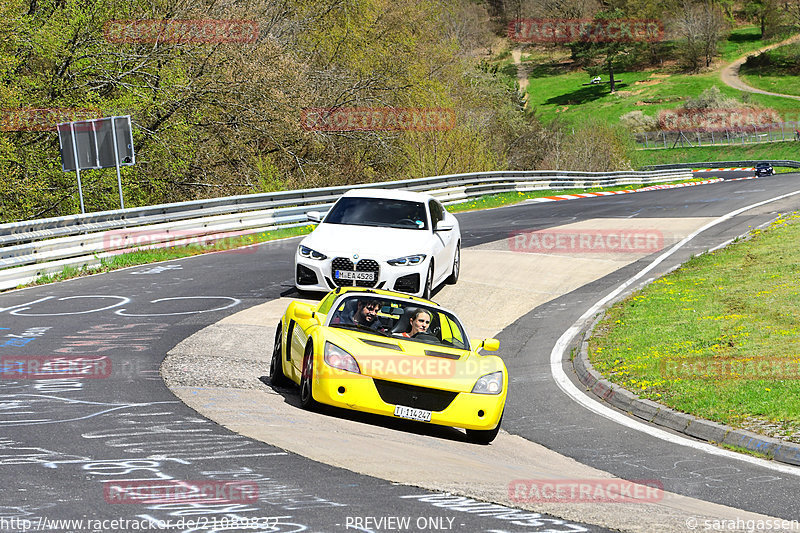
<point>351,274</point>
<point>410,413</point>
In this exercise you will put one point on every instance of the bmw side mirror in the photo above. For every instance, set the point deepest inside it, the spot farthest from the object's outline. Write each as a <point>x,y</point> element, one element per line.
<point>444,226</point>
<point>314,216</point>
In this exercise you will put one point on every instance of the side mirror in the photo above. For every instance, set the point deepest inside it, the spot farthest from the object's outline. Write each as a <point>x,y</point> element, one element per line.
<point>303,311</point>
<point>444,226</point>
<point>490,345</point>
<point>314,216</point>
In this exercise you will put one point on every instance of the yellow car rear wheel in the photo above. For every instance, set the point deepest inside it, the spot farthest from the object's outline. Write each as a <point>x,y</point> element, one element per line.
<point>307,400</point>
<point>276,376</point>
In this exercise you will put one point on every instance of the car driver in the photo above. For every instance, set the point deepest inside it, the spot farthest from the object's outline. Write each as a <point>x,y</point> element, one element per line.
<point>367,313</point>
<point>420,321</point>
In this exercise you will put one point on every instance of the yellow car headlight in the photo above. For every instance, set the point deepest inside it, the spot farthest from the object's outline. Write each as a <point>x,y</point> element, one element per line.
<point>338,358</point>
<point>489,384</point>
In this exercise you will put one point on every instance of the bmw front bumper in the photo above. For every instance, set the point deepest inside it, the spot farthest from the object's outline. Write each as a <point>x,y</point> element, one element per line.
<point>320,274</point>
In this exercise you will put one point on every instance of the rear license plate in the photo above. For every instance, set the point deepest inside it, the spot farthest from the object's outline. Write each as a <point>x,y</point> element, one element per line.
<point>410,413</point>
<point>350,274</point>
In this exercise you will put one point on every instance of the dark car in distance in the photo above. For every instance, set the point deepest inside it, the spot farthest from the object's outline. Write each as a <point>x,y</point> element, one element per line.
<point>764,169</point>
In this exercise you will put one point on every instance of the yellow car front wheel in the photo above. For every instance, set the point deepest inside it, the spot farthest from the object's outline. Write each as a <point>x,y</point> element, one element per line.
<point>484,436</point>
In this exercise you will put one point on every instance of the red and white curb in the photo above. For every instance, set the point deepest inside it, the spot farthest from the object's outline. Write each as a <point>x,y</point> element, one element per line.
<point>723,169</point>
<point>610,193</point>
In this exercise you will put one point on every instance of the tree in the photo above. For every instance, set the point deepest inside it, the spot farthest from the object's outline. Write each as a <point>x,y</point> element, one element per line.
<point>603,52</point>
<point>792,9</point>
<point>767,14</point>
<point>595,146</point>
<point>225,118</point>
<point>700,25</point>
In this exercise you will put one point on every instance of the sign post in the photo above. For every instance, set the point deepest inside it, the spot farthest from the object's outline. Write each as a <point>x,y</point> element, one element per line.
<point>116,164</point>
<point>77,167</point>
<point>98,143</point>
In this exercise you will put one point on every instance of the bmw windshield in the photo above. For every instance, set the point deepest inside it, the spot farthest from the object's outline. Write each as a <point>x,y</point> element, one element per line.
<point>382,212</point>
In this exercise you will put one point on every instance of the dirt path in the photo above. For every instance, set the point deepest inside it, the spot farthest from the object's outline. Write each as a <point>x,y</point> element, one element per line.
<point>730,73</point>
<point>522,74</point>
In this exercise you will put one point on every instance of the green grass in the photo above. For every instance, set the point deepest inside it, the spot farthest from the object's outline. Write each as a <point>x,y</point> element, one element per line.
<point>564,97</point>
<point>556,92</point>
<point>509,198</point>
<point>777,150</point>
<point>744,40</point>
<point>741,302</point>
<point>784,84</point>
<point>777,71</point>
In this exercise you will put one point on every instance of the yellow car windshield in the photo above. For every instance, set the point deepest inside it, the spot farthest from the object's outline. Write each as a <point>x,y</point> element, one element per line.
<point>399,318</point>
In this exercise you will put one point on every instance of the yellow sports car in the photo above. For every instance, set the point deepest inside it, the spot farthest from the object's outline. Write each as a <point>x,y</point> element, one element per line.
<point>390,354</point>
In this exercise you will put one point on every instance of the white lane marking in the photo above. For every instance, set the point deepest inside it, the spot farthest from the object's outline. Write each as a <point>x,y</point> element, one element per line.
<point>564,383</point>
<point>123,301</point>
<point>29,303</point>
<point>234,302</point>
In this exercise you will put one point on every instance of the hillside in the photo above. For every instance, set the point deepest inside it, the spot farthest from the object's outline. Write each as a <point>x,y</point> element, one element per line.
<point>223,115</point>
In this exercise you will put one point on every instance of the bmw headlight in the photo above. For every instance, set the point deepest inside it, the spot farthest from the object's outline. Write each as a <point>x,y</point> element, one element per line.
<point>339,358</point>
<point>305,251</point>
<point>408,260</point>
<point>489,384</point>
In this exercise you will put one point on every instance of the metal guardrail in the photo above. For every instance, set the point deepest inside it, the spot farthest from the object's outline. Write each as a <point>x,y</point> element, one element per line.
<point>716,164</point>
<point>38,247</point>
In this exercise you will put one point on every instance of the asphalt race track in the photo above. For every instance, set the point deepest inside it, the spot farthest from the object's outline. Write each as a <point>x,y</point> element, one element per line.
<point>64,440</point>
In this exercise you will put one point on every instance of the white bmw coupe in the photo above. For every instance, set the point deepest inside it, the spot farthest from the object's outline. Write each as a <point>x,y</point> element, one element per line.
<point>384,239</point>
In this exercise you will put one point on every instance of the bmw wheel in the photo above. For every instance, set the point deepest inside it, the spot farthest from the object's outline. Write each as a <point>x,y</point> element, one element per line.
<point>426,293</point>
<point>307,400</point>
<point>276,376</point>
<point>456,266</point>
